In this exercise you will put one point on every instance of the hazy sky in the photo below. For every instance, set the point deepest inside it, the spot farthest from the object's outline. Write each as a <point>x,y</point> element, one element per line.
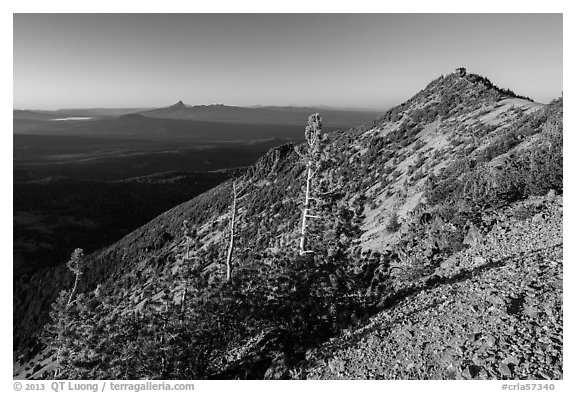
<point>344,60</point>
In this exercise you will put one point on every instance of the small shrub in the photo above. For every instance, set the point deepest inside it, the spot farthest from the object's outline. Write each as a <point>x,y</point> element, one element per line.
<point>522,213</point>
<point>393,223</point>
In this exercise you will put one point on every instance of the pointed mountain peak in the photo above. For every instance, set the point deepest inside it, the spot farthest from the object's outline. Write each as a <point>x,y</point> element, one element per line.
<point>178,105</point>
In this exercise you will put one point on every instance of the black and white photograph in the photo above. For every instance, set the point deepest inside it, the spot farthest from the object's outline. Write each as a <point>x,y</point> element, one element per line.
<point>287,196</point>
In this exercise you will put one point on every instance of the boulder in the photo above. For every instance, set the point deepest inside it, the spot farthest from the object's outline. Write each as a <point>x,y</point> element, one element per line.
<point>490,340</point>
<point>277,369</point>
<point>336,365</point>
<point>504,370</point>
<point>474,236</point>
<point>470,371</point>
<point>478,261</point>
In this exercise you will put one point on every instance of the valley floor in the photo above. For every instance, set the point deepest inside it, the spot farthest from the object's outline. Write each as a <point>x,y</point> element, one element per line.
<point>493,311</point>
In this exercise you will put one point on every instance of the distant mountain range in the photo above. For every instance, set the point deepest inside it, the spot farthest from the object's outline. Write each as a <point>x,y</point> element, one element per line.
<point>138,126</point>
<point>213,113</point>
<point>25,114</point>
<point>260,115</point>
<point>183,122</point>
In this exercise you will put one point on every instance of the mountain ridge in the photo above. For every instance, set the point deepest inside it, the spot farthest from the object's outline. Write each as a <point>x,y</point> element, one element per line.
<point>392,173</point>
<point>257,115</point>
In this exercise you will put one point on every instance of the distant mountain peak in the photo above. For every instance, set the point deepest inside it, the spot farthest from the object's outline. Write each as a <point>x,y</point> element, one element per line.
<point>178,105</point>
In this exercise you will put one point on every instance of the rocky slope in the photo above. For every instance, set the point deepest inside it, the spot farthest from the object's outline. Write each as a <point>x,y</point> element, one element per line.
<point>493,311</point>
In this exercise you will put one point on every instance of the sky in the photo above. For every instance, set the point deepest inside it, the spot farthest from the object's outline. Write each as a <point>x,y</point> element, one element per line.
<point>371,61</point>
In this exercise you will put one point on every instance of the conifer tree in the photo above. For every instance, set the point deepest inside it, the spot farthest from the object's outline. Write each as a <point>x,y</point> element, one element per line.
<point>60,310</point>
<point>76,266</point>
<point>54,332</point>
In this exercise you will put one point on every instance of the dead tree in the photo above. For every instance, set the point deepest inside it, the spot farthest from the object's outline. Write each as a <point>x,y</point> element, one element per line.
<point>233,211</point>
<point>189,235</point>
<point>313,156</point>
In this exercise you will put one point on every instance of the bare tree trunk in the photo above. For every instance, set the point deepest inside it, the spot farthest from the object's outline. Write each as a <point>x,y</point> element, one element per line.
<point>305,211</point>
<point>188,238</point>
<point>73,289</point>
<point>163,360</point>
<point>58,356</point>
<point>183,301</point>
<point>231,244</point>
